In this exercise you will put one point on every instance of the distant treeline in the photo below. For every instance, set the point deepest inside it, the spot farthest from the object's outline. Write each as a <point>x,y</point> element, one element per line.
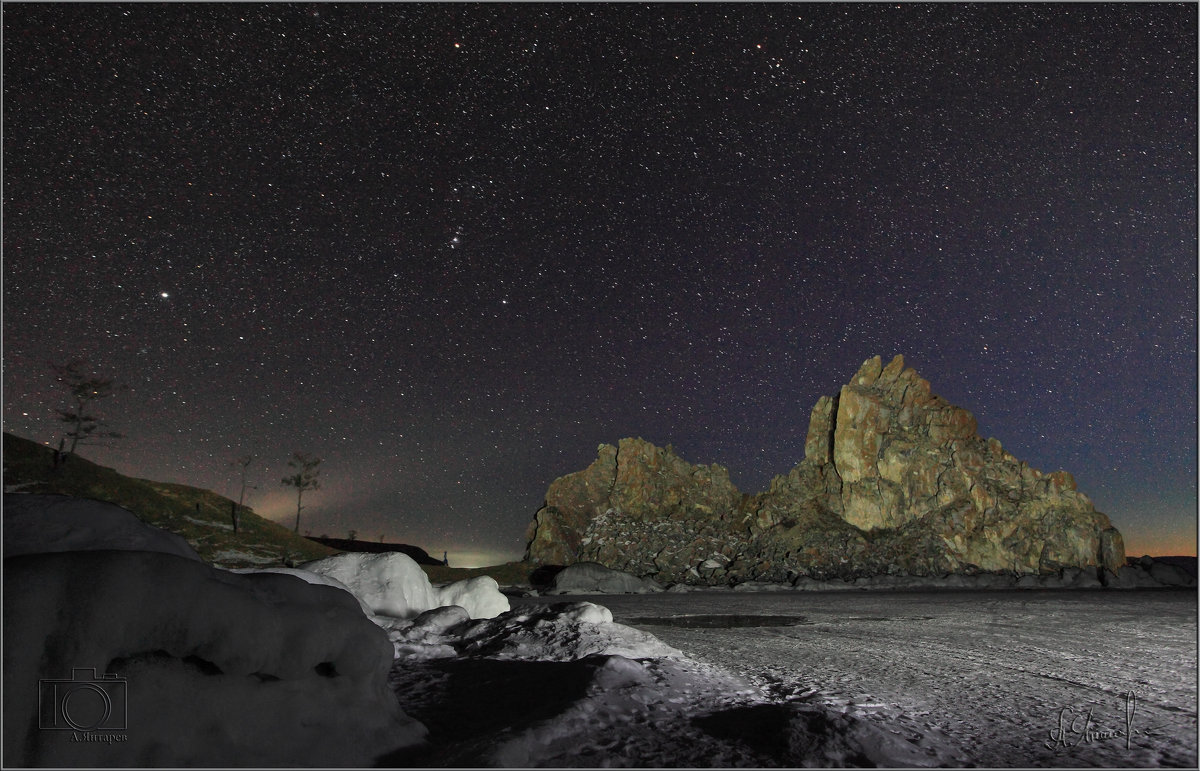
<point>419,555</point>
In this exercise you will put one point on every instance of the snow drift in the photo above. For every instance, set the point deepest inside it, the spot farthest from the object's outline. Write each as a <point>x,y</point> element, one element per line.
<point>37,524</point>
<point>308,577</point>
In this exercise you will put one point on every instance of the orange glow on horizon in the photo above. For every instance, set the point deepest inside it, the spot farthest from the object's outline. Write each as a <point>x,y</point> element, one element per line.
<point>1160,544</point>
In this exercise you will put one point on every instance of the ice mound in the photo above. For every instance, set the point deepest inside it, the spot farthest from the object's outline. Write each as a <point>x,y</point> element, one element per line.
<point>559,632</point>
<point>479,596</point>
<point>38,524</point>
<point>592,578</point>
<point>309,577</point>
<point>219,669</point>
<point>392,584</point>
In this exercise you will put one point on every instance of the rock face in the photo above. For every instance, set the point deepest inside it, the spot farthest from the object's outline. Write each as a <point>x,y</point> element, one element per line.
<point>643,510</point>
<point>895,480</point>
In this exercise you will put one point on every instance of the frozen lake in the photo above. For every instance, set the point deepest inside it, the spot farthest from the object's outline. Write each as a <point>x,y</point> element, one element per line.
<point>998,678</point>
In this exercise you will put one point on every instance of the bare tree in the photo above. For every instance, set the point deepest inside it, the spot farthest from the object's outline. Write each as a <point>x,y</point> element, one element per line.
<point>305,478</point>
<point>85,390</point>
<point>244,464</point>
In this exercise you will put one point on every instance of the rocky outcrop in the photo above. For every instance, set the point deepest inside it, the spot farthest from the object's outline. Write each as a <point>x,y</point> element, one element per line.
<point>895,480</point>
<point>909,469</point>
<point>643,510</point>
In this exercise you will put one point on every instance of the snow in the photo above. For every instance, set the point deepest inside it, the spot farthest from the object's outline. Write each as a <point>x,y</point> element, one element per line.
<point>479,596</point>
<point>563,685</point>
<point>209,523</point>
<point>309,577</point>
<point>235,556</point>
<point>561,632</point>
<point>214,668</point>
<point>282,667</point>
<point>394,586</point>
<point>951,678</point>
<point>592,577</point>
<point>390,583</point>
<point>36,524</point>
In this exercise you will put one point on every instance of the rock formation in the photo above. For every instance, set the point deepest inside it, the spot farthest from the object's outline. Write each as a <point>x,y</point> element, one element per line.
<point>895,480</point>
<point>643,510</point>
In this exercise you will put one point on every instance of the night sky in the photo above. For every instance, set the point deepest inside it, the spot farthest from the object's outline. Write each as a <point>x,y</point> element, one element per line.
<point>452,248</point>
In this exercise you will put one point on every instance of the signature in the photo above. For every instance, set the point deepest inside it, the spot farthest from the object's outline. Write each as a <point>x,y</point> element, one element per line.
<point>1077,727</point>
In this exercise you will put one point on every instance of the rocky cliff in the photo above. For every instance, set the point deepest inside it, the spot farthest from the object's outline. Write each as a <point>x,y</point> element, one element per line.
<point>641,509</point>
<point>895,480</point>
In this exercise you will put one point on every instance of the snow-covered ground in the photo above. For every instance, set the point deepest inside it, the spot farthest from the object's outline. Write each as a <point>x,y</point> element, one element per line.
<point>280,672</point>
<point>1012,678</point>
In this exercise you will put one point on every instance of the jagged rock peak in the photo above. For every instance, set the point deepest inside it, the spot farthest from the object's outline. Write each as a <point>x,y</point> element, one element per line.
<point>895,479</point>
<point>894,453</point>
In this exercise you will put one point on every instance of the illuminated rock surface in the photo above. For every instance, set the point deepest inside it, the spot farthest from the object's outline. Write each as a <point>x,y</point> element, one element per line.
<point>896,480</point>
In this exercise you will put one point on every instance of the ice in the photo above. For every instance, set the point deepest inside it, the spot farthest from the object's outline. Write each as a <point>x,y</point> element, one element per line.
<point>393,585</point>
<point>559,632</point>
<point>309,577</point>
<point>390,583</point>
<point>37,524</point>
<point>282,667</point>
<point>479,596</point>
<point>219,669</point>
<point>952,678</point>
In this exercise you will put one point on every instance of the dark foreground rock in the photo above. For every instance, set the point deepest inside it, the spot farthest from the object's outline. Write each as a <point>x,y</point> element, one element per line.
<point>120,657</point>
<point>895,481</point>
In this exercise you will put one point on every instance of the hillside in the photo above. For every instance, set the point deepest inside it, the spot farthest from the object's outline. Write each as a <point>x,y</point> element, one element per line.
<point>200,516</point>
<point>419,555</point>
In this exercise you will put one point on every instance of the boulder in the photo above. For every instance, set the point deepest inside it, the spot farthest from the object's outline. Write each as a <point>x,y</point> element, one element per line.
<point>592,577</point>
<point>937,496</point>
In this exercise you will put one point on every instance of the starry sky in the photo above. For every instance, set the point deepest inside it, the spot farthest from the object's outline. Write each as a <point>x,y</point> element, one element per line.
<point>451,248</point>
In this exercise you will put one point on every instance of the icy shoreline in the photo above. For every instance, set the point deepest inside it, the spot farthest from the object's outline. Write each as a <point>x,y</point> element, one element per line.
<point>358,659</point>
<point>960,677</point>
